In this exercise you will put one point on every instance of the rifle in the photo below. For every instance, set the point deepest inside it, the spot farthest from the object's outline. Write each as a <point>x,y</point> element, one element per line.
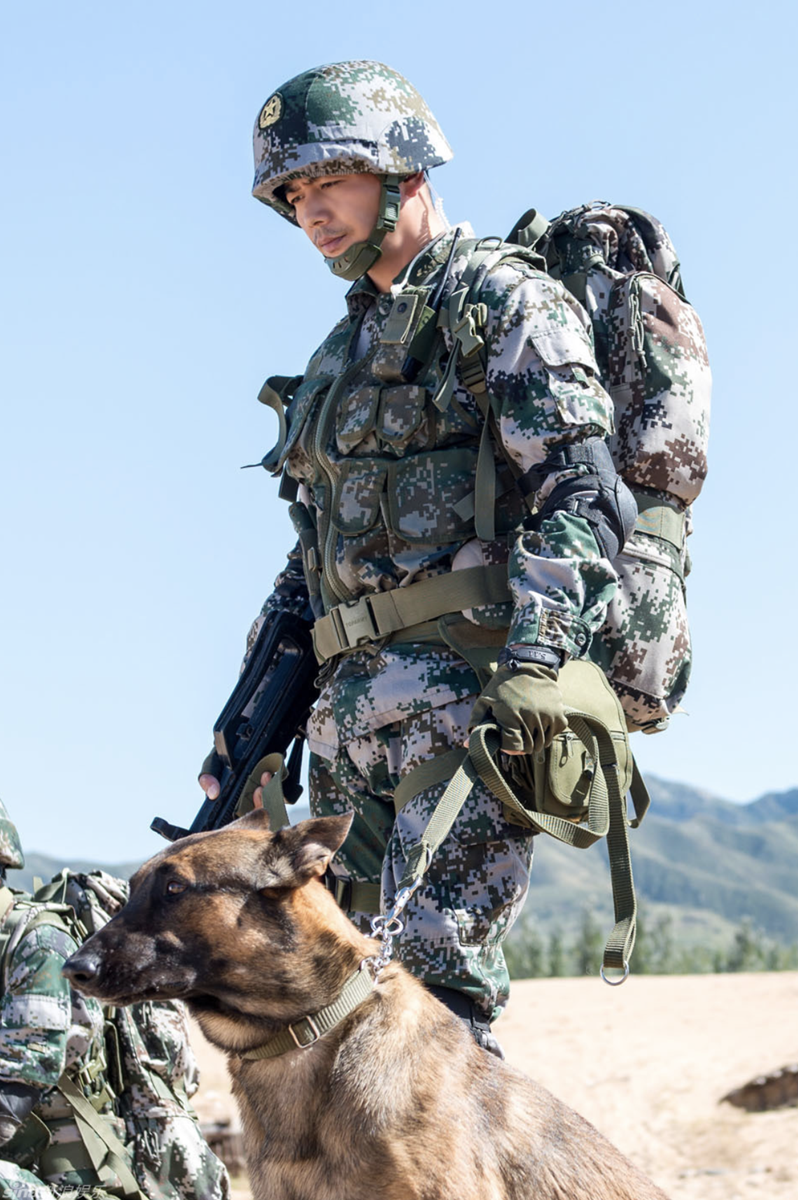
<point>266,713</point>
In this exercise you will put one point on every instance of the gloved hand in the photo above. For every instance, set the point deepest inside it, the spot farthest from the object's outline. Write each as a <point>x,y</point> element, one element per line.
<point>210,774</point>
<point>524,700</point>
<point>17,1101</point>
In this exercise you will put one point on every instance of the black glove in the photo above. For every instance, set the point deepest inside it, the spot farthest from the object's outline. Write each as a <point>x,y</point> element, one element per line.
<point>525,701</point>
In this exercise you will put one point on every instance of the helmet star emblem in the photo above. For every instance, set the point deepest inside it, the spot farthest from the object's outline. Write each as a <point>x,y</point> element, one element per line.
<point>271,111</point>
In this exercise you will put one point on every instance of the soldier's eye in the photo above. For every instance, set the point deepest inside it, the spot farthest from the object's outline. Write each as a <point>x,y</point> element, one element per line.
<point>175,886</point>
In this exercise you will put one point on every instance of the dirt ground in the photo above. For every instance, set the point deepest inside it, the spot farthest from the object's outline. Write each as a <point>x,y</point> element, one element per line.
<point>647,1063</point>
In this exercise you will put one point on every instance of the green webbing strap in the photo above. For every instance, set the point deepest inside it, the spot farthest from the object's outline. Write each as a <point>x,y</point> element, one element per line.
<point>104,1148</point>
<point>353,895</point>
<point>464,319</point>
<point>371,617</point>
<point>639,793</point>
<point>273,798</point>
<point>307,1030</point>
<point>485,488</point>
<point>443,817</point>
<point>364,897</point>
<point>660,520</point>
<point>484,744</point>
<point>606,815</point>
<point>427,775</point>
<point>272,399</point>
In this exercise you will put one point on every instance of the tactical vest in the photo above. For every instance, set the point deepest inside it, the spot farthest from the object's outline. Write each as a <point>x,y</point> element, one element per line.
<point>417,464</point>
<point>131,1080</point>
<point>390,451</point>
<point>82,1099</point>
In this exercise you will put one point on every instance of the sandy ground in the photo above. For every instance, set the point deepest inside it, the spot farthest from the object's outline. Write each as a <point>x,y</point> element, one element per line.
<point>647,1063</point>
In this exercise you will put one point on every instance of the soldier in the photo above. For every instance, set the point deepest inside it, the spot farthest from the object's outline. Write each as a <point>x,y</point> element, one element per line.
<point>415,548</point>
<point>92,1103</point>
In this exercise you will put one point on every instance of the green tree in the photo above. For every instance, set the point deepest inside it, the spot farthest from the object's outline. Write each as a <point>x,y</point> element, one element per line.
<point>589,945</point>
<point>525,954</point>
<point>748,948</point>
<point>663,948</point>
<point>556,952</point>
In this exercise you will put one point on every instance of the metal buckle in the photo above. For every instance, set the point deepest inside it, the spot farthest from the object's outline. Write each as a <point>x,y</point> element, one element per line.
<point>314,1030</point>
<point>354,624</point>
<point>343,893</point>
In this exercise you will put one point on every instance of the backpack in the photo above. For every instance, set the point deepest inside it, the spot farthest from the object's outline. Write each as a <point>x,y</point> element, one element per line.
<point>146,1064</point>
<point>621,265</point>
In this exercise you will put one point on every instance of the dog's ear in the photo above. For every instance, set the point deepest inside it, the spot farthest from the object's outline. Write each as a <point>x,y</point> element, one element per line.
<point>256,818</point>
<point>300,852</point>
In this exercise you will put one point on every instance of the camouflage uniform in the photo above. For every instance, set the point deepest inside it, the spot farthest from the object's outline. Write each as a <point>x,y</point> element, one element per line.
<point>652,356</point>
<point>172,1159</point>
<point>48,1029</point>
<point>45,1029</point>
<point>385,479</point>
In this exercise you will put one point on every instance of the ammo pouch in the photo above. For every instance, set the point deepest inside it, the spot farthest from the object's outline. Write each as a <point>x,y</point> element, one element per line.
<point>565,789</point>
<point>575,790</point>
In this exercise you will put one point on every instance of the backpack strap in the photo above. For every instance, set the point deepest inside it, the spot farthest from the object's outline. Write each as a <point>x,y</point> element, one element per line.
<point>107,1153</point>
<point>466,318</point>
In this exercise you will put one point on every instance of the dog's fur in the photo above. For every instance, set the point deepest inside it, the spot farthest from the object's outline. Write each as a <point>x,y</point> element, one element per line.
<point>397,1102</point>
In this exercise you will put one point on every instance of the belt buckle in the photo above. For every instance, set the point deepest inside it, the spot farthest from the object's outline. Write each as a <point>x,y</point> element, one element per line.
<point>315,1034</point>
<point>354,623</point>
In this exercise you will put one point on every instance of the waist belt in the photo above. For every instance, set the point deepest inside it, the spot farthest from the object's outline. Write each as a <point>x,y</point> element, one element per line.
<point>660,520</point>
<point>372,617</point>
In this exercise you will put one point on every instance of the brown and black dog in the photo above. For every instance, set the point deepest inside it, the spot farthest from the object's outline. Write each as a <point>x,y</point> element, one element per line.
<point>397,1102</point>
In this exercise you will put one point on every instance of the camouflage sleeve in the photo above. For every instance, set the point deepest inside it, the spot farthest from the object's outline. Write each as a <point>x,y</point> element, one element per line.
<point>542,375</point>
<point>290,594</point>
<point>36,1009</point>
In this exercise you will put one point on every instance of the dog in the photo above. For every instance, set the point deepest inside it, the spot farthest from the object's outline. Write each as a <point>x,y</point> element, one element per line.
<point>396,1102</point>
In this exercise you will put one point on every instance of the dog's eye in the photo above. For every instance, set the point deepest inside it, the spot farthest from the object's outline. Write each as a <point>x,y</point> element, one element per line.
<point>175,886</point>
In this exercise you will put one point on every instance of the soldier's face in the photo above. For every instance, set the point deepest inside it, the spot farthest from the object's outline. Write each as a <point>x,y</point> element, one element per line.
<point>335,211</point>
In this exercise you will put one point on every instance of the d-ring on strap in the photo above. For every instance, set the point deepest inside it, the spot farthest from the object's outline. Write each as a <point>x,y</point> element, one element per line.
<point>606,816</point>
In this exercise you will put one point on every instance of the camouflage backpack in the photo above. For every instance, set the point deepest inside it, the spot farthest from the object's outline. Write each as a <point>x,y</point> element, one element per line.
<point>621,265</point>
<point>146,1064</point>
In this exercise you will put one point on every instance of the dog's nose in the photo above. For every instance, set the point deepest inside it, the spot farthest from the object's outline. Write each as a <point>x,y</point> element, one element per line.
<point>83,967</point>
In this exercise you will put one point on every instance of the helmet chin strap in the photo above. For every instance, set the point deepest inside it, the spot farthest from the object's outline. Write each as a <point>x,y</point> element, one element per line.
<point>361,256</point>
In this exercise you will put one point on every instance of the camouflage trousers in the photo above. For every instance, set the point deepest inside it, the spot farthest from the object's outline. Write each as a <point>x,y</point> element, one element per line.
<point>172,1160</point>
<point>18,1184</point>
<point>477,881</point>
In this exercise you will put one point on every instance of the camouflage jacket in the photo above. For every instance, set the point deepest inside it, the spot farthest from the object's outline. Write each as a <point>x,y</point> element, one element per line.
<point>47,1028</point>
<point>135,1063</point>
<point>385,481</point>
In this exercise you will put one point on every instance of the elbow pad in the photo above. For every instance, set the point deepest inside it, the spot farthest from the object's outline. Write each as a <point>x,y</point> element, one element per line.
<point>600,498</point>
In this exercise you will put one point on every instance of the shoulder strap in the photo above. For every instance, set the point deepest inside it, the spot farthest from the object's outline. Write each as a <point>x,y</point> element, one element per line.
<point>465,316</point>
<point>107,1153</point>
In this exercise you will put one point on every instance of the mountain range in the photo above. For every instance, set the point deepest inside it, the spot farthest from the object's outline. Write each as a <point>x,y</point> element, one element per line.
<point>706,862</point>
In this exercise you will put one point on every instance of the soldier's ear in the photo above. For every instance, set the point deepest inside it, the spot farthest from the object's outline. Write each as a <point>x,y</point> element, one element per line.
<point>302,852</point>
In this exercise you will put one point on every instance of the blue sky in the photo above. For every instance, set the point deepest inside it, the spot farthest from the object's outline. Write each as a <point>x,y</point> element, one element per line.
<point>145,296</point>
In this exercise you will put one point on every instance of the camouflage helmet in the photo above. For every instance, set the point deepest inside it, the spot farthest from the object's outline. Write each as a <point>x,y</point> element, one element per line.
<point>345,118</point>
<point>10,848</point>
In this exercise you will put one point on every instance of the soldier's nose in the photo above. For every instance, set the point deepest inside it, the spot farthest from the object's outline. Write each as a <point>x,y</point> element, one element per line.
<point>83,967</point>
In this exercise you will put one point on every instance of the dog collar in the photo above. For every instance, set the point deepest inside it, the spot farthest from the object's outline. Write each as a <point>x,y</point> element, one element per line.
<point>307,1030</point>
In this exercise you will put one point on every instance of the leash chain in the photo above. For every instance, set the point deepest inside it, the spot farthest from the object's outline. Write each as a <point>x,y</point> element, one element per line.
<point>387,926</point>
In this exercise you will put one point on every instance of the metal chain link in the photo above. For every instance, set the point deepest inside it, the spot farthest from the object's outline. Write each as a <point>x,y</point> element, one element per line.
<point>387,926</point>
